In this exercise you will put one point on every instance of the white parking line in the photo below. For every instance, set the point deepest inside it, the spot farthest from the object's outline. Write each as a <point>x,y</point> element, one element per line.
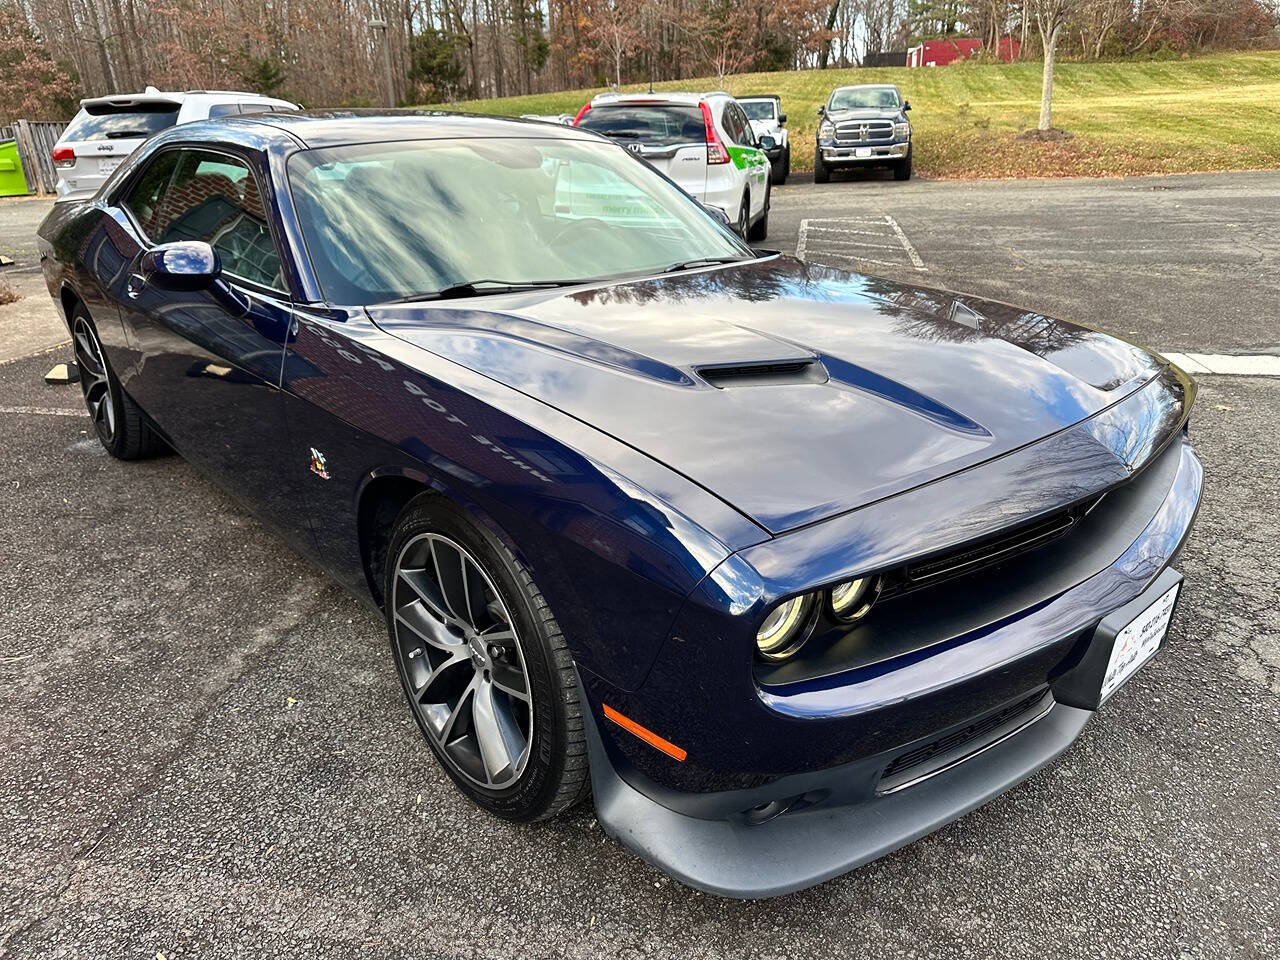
<point>906,244</point>
<point>45,411</point>
<point>828,235</point>
<point>1222,364</point>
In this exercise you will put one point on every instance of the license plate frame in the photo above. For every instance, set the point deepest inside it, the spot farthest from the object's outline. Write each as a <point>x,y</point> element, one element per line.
<point>1138,641</point>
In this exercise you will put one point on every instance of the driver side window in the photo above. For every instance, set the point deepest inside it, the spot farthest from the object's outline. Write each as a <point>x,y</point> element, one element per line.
<point>215,198</point>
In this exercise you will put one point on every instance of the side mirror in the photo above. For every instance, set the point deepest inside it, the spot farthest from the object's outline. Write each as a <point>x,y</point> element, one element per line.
<point>906,105</point>
<point>767,143</point>
<point>717,212</point>
<point>185,265</point>
<point>782,118</point>
<point>822,111</point>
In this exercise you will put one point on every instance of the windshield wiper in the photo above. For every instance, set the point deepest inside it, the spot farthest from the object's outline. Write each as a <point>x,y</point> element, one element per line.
<point>703,262</point>
<point>480,288</point>
<point>127,134</point>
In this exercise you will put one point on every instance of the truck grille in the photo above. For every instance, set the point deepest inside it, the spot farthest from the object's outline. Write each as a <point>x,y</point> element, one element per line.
<point>864,131</point>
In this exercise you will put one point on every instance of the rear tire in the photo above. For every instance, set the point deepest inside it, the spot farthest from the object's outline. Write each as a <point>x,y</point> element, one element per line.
<point>902,169</point>
<point>488,675</point>
<point>119,424</point>
<point>821,172</point>
<point>743,226</point>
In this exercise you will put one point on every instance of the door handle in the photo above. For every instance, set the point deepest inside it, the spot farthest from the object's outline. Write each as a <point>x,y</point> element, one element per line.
<point>135,284</point>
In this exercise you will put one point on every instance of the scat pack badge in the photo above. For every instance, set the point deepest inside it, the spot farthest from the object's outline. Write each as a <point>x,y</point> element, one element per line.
<point>318,466</point>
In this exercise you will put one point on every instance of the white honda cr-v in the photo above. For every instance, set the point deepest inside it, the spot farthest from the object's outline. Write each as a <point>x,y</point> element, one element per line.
<point>108,129</point>
<point>702,141</point>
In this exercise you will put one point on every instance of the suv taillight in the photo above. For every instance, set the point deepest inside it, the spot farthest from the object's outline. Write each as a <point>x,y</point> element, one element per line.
<point>64,157</point>
<point>716,153</point>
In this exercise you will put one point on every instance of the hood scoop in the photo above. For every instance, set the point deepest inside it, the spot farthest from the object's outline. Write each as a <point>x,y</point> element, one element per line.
<point>763,374</point>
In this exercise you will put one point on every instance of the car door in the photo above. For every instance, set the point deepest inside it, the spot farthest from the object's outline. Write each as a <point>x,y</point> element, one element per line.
<point>207,362</point>
<point>747,155</point>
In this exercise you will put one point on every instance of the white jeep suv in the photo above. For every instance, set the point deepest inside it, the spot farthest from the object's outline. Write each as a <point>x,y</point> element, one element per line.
<point>768,120</point>
<point>701,141</point>
<point>107,129</point>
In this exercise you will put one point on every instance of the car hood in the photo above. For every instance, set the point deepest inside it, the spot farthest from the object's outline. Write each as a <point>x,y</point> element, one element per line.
<point>792,391</point>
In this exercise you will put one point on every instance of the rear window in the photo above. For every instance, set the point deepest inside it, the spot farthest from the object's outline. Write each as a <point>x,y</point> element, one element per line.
<point>759,109</point>
<point>105,122</point>
<point>655,125</point>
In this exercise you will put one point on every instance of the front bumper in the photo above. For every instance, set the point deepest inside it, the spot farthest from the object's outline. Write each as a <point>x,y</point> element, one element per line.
<point>836,154</point>
<point>788,832</point>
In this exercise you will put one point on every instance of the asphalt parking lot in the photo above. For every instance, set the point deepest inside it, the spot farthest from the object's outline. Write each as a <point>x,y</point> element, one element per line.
<point>205,752</point>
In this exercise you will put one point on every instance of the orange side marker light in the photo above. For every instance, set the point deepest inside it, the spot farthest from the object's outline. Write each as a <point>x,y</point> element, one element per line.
<point>648,736</point>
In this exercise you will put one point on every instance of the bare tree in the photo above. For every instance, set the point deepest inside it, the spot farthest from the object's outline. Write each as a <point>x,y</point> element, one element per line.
<point>1051,17</point>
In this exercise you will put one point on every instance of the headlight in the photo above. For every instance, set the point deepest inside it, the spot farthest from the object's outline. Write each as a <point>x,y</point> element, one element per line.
<point>852,599</point>
<point>780,634</point>
<point>901,131</point>
<point>826,130</point>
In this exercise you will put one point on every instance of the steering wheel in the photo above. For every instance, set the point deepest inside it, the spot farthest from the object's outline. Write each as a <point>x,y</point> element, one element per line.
<point>586,226</point>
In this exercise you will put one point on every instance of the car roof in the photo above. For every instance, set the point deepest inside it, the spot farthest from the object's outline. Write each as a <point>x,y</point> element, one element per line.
<point>331,128</point>
<point>869,86</point>
<point>658,97</point>
<point>152,95</point>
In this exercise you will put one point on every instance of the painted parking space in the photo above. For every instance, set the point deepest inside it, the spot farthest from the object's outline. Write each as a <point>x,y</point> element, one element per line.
<point>856,241</point>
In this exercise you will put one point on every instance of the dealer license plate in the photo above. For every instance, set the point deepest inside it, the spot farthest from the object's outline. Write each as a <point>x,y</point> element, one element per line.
<point>1138,641</point>
<point>107,165</point>
<point>862,152</point>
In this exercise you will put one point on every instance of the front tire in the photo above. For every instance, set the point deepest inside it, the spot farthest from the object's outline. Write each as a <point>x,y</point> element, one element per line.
<point>821,172</point>
<point>119,424</point>
<point>489,678</point>
<point>902,169</point>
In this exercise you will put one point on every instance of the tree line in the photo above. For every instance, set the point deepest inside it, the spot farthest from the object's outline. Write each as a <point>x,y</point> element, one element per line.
<point>331,52</point>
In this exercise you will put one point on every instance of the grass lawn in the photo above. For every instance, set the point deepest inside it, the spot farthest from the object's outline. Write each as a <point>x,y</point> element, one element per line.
<point>1174,116</point>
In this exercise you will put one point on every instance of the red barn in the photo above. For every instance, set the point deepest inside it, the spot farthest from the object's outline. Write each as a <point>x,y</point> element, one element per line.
<point>938,53</point>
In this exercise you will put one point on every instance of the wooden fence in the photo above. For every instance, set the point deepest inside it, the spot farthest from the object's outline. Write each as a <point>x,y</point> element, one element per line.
<point>35,148</point>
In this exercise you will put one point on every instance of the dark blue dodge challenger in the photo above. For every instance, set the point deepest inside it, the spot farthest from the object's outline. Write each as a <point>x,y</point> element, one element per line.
<point>790,565</point>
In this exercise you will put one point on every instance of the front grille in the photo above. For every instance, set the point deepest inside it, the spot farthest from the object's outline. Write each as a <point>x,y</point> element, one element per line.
<point>972,736</point>
<point>864,131</point>
<point>986,553</point>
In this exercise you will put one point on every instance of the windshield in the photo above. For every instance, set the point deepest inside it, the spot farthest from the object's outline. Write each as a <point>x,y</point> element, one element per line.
<point>110,123</point>
<point>391,221</point>
<point>759,109</point>
<point>872,98</point>
<point>662,125</point>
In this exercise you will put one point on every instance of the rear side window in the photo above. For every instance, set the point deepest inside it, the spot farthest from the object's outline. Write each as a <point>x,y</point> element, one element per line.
<point>105,122</point>
<point>259,107</point>
<point>224,110</point>
<point>214,197</point>
<point>657,125</point>
<point>735,124</point>
<point>143,198</point>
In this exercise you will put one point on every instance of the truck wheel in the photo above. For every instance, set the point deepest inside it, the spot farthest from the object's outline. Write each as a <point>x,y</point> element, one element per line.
<point>821,173</point>
<point>902,169</point>
<point>786,163</point>
<point>777,172</point>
